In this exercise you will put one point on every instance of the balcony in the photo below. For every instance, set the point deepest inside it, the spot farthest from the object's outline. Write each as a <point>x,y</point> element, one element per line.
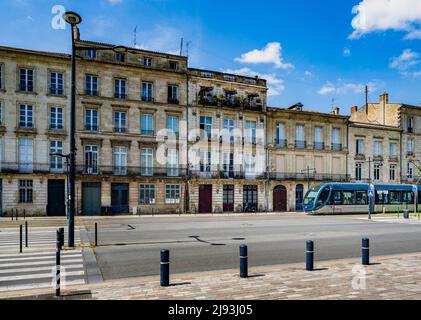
<point>318,145</point>
<point>411,180</point>
<point>157,172</point>
<point>92,93</point>
<point>89,127</point>
<point>410,130</point>
<point>120,129</point>
<point>378,158</point>
<point>410,154</point>
<point>298,176</point>
<point>225,172</point>
<point>336,147</point>
<point>209,100</point>
<point>281,143</point>
<point>173,101</point>
<point>359,157</point>
<point>147,99</point>
<point>393,159</point>
<point>16,168</point>
<point>300,144</point>
<point>120,96</point>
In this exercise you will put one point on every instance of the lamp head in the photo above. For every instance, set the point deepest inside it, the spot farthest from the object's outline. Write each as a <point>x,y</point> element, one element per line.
<point>72,18</point>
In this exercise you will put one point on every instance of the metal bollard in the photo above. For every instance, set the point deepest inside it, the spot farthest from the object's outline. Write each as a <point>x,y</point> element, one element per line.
<point>24,214</point>
<point>12,214</point>
<point>61,231</point>
<point>17,215</point>
<point>58,247</point>
<point>310,256</point>
<point>96,234</point>
<point>26,234</point>
<point>243,262</point>
<point>20,236</point>
<point>366,252</point>
<point>165,268</point>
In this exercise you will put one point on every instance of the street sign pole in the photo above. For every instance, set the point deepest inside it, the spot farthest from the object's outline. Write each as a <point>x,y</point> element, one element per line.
<point>370,200</point>
<point>415,191</point>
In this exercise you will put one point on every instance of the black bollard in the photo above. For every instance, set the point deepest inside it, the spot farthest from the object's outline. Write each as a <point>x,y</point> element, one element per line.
<point>165,268</point>
<point>310,256</point>
<point>96,234</point>
<point>365,252</point>
<point>24,214</point>
<point>26,234</point>
<point>58,247</point>
<point>61,231</point>
<point>17,215</point>
<point>20,236</point>
<point>243,262</point>
<point>12,214</point>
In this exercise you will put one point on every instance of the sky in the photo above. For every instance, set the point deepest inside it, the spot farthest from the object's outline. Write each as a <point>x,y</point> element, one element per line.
<point>319,53</point>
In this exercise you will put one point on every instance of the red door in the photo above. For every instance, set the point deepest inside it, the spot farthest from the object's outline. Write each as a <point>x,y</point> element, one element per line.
<point>205,199</point>
<point>280,199</point>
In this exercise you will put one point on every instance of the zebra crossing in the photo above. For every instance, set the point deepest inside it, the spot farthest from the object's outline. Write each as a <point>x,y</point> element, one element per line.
<point>35,266</point>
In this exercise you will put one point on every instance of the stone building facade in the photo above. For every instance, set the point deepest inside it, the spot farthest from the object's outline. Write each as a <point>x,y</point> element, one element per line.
<point>155,136</point>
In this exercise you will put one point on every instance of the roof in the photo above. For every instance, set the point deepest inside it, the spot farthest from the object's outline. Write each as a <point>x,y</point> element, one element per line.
<point>37,52</point>
<point>308,112</point>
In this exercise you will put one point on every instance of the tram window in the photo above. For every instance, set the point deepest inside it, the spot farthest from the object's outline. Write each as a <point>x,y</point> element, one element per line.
<point>348,197</point>
<point>323,196</point>
<point>361,198</point>
<point>408,197</point>
<point>382,198</point>
<point>395,197</point>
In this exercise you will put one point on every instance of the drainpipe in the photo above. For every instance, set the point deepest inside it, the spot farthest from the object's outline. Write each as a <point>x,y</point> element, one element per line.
<point>347,149</point>
<point>267,160</point>
<point>401,155</point>
<point>186,189</point>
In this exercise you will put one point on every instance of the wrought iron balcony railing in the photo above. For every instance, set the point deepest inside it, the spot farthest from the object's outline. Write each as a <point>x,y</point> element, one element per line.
<point>281,143</point>
<point>14,167</point>
<point>336,146</point>
<point>319,145</point>
<point>298,176</point>
<point>300,144</point>
<point>170,171</point>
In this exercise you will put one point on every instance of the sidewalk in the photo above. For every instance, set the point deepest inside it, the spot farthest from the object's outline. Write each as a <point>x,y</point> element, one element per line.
<point>389,277</point>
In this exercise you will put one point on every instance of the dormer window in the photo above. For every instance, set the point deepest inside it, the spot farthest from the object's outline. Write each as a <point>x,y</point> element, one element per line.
<point>206,74</point>
<point>230,78</point>
<point>120,57</point>
<point>173,65</point>
<point>91,54</point>
<point>147,62</point>
<point>250,81</point>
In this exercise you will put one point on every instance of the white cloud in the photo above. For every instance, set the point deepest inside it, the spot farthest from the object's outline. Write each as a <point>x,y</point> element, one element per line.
<point>342,87</point>
<point>275,85</point>
<point>160,38</point>
<point>272,53</point>
<point>383,15</point>
<point>114,2</point>
<point>309,74</point>
<point>405,61</point>
<point>347,52</point>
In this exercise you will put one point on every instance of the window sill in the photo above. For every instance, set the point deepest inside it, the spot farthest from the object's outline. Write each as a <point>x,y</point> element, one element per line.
<point>56,96</point>
<point>56,132</point>
<point>26,131</point>
<point>26,92</point>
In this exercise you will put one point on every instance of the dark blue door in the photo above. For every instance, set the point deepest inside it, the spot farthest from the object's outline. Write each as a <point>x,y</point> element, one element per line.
<point>299,197</point>
<point>120,198</point>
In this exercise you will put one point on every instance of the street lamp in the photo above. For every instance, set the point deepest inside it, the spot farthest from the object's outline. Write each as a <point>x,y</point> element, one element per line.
<point>74,19</point>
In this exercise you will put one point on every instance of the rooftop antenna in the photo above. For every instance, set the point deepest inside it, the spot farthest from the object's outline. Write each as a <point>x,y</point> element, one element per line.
<point>135,37</point>
<point>366,99</point>
<point>181,46</point>
<point>332,106</point>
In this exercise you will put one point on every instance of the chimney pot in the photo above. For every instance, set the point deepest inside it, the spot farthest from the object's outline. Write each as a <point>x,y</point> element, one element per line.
<point>384,98</point>
<point>354,109</point>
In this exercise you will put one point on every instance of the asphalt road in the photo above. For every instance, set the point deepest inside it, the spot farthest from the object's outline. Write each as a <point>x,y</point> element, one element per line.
<point>130,247</point>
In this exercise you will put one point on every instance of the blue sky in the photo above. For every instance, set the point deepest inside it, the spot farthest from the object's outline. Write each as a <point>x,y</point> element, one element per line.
<point>320,53</point>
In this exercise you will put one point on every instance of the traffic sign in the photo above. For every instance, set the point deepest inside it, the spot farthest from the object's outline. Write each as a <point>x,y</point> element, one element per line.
<point>414,189</point>
<point>370,193</point>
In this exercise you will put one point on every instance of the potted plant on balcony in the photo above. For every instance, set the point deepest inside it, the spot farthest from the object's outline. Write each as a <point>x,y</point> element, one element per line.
<point>222,100</point>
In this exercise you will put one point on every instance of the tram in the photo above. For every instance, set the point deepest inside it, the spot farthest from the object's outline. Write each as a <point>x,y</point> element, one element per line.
<point>349,198</point>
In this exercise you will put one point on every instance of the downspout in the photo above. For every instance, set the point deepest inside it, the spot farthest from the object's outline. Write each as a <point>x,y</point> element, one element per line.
<point>347,151</point>
<point>267,159</point>
<point>187,179</point>
<point>401,155</point>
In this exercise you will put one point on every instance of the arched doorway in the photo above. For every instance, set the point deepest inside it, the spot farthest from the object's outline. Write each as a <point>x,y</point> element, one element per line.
<point>280,199</point>
<point>299,197</point>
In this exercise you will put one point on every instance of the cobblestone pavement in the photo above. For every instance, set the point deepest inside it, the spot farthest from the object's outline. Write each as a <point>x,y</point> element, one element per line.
<point>390,277</point>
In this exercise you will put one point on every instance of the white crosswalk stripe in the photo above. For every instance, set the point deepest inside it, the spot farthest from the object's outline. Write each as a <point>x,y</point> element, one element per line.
<point>35,267</point>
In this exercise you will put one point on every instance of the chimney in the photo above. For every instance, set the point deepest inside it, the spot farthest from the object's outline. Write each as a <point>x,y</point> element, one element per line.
<point>384,98</point>
<point>76,33</point>
<point>354,109</point>
<point>336,111</point>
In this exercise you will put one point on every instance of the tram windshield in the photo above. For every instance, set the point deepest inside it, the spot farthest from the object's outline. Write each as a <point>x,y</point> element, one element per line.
<point>311,195</point>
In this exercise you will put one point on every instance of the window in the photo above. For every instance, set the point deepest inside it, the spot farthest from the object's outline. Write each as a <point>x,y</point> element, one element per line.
<point>228,77</point>
<point>147,124</point>
<point>361,198</point>
<point>120,57</point>
<point>147,62</point>
<point>120,161</point>
<point>318,138</point>
<point>25,191</point>
<point>56,84</point>
<point>26,116</point>
<point>280,135</point>
<point>26,155</point>
<point>56,118</point>
<point>172,124</point>
<point>377,171</point>
<point>410,171</point>
<point>1,76</point>
<point>249,81</point>
<point>147,194</point>
<point>228,163</point>
<point>250,164</point>
<point>299,137</point>
<point>1,114</point>
<point>172,194</point>
<point>56,162</point>
<point>393,150</point>
<point>91,85</point>
<point>172,163</point>
<point>205,74</point>
<point>26,82</point>
<point>336,139</point>
<point>250,133</point>
<point>358,171</point>
<point>147,91</point>
<point>173,94</point>
<point>410,146</point>
<point>91,120</point>
<point>395,197</point>
<point>146,161</point>
<point>173,65</point>
<point>378,152</point>
<point>410,124</point>
<point>119,88</point>
<point>91,159</point>
<point>360,147</point>
<point>392,172</point>
<point>229,130</point>
<point>91,54</point>
<point>205,161</point>
<point>206,125</point>
<point>119,121</point>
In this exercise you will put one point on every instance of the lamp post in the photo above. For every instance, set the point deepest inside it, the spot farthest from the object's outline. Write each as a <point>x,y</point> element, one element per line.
<point>74,19</point>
